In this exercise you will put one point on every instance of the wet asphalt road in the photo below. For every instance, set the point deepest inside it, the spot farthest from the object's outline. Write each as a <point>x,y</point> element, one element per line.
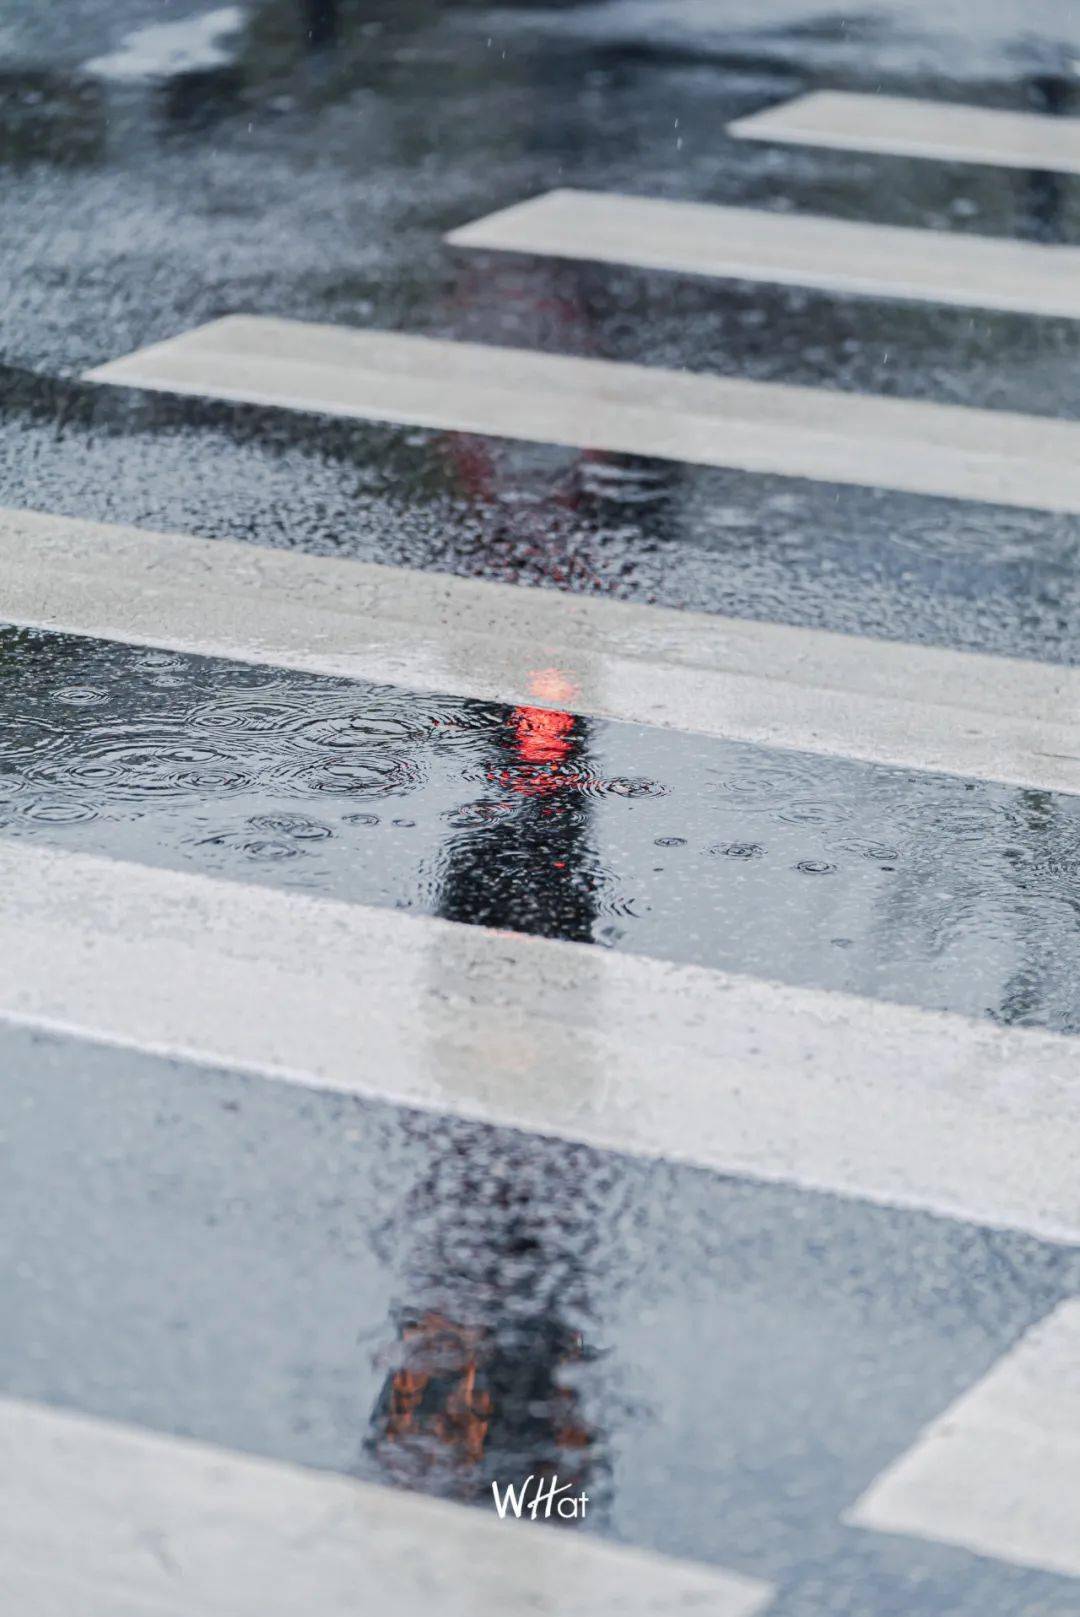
<point>236,1261</point>
<point>319,186</point>
<point>208,1254</point>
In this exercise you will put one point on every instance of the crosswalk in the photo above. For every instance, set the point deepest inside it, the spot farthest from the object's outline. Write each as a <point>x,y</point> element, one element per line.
<point>998,1470</point>
<point>834,255</point>
<point>649,1054</point>
<point>995,456</point>
<point>904,127</point>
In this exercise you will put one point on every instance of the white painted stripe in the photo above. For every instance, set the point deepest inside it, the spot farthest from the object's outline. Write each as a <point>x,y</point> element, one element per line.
<point>910,128</point>
<point>162,50</point>
<point>831,437</point>
<point>990,718</point>
<point>791,249</point>
<point>999,1472</point>
<point>825,1090</point>
<point>107,1520</point>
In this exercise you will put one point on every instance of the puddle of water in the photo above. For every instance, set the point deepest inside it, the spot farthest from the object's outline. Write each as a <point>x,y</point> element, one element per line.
<point>920,888</point>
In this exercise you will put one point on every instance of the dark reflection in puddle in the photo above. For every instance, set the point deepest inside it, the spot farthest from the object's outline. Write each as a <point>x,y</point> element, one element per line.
<point>534,833</point>
<point>925,889</point>
<point>50,117</point>
<point>483,1367</point>
<point>201,97</point>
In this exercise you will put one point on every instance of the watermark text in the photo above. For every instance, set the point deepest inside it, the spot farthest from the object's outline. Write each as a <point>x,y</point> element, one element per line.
<point>547,1499</point>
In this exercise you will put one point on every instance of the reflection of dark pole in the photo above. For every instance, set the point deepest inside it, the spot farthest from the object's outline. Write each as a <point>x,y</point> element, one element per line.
<point>468,1404</point>
<point>320,21</point>
<point>529,868</point>
<point>480,1379</point>
<point>1051,93</point>
<point>480,1386</point>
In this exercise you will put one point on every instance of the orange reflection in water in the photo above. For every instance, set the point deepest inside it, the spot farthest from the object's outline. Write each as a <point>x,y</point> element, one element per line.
<point>439,1406</point>
<point>551,685</point>
<point>541,736</point>
<point>543,739</point>
<point>434,1397</point>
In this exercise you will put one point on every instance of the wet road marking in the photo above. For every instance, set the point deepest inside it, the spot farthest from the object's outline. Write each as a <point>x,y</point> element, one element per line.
<point>161,50</point>
<point>911,128</point>
<point>820,1089</point>
<point>115,1521</point>
<point>987,718</point>
<point>865,440</point>
<point>999,1472</point>
<point>790,249</point>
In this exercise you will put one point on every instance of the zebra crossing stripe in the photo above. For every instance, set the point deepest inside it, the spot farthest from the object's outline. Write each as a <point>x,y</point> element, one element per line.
<point>912,128</point>
<point>999,1472</point>
<point>112,1521</point>
<point>825,1090</point>
<point>832,437</point>
<point>792,249</point>
<point>989,718</point>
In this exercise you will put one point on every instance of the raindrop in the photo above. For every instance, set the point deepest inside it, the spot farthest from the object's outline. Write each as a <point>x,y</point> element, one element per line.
<point>624,786</point>
<point>80,695</point>
<point>738,850</point>
<point>762,784</point>
<point>361,729</point>
<point>270,851</point>
<point>250,718</point>
<point>874,851</point>
<point>158,659</point>
<point>60,813</point>
<point>358,777</point>
<point>813,813</point>
<point>474,814</point>
<point>151,764</point>
<point>291,825</point>
<point>815,867</point>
